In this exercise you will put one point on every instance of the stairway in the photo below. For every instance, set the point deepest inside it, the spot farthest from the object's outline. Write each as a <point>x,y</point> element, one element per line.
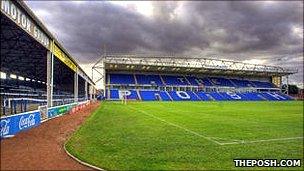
<point>234,85</point>
<point>187,80</point>
<point>162,80</point>
<point>210,97</point>
<point>138,95</point>
<point>135,79</point>
<point>262,97</point>
<point>197,96</point>
<point>169,96</point>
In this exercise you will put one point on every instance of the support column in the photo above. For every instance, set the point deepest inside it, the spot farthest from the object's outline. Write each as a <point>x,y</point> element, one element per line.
<point>287,85</point>
<point>103,81</point>
<point>86,90</point>
<point>91,91</point>
<point>49,79</point>
<point>76,86</point>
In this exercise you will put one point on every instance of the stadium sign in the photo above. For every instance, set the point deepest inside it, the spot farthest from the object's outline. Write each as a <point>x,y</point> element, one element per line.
<point>11,10</point>
<point>11,125</point>
<point>63,57</point>
<point>59,110</point>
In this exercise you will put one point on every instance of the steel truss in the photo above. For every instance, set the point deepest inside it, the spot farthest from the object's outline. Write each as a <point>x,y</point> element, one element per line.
<point>191,62</point>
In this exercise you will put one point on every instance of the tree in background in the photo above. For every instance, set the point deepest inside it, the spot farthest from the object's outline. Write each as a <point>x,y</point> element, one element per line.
<point>292,89</point>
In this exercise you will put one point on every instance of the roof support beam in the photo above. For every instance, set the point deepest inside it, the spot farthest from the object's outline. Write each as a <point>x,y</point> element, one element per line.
<point>76,86</point>
<point>49,82</point>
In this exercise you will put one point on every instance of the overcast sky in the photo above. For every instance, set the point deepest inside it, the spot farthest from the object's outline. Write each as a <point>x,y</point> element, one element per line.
<point>263,32</point>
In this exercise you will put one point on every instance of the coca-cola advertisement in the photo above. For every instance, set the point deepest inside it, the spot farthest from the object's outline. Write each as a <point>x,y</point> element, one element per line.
<point>11,125</point>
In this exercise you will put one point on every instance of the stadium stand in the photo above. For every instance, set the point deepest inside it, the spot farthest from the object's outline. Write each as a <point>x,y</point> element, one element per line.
<point>184,88</point>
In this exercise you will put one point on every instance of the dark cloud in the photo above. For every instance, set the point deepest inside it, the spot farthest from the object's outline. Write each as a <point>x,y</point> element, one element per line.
<point>233,30</point>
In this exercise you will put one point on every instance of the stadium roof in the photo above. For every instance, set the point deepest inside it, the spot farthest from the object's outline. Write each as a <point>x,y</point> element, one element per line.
<point>189,65</point>
<point>26,25</point>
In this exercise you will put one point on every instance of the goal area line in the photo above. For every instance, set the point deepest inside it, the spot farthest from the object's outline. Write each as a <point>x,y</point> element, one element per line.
<point>213,139</point>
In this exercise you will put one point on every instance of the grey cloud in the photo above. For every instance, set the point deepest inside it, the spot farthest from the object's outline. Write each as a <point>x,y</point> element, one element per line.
<point>234,30</point>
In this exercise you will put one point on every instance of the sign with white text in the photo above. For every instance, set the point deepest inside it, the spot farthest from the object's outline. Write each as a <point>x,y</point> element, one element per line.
<point>11,125</point>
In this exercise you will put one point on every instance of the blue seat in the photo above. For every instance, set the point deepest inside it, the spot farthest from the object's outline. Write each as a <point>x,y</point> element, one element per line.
<point>164,96</point>
<point>242,83</point>
<point>183,96</point>
<point>262,84</point>
<point>243,96</point>
<point>252,96</point>
<point>232,96</point>
<point>217,96</point>
<point>148,79</point>
<point>148,95</point>
<point>217,81</point>
<point>121,78</point>
<point>198,81</point>
<point>203,96</point>
<point>285,95</point>
<point>114,94</point>
<point>193,96</point>
<point>174,80</point>
<point>153,95</point>
<point>274,96</point>
<point>133,95</point>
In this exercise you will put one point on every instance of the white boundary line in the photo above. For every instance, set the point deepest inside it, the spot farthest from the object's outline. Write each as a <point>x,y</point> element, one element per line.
<point>75,158</point>
<point>225,139</point>
<point>80,161</point>
<point>172,124</point>
<point>212,138</point>
<point>266,140</point>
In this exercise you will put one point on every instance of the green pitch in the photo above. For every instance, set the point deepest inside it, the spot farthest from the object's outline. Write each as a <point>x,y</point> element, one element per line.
<point>189,135</point>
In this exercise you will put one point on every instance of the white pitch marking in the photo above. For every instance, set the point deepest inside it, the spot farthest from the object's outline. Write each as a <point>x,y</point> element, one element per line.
<point>257,141</point>
<point>210,138</point>
<point>172,124</point>
<point>225,139</point>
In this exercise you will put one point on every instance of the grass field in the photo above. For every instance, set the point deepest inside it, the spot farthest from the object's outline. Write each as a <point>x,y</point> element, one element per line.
<point>189,135</point>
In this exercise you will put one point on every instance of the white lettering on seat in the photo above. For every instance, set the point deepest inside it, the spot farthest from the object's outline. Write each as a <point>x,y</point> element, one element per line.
<point>123,93</point>
<point>234,96</point>
<point>182,94</point>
